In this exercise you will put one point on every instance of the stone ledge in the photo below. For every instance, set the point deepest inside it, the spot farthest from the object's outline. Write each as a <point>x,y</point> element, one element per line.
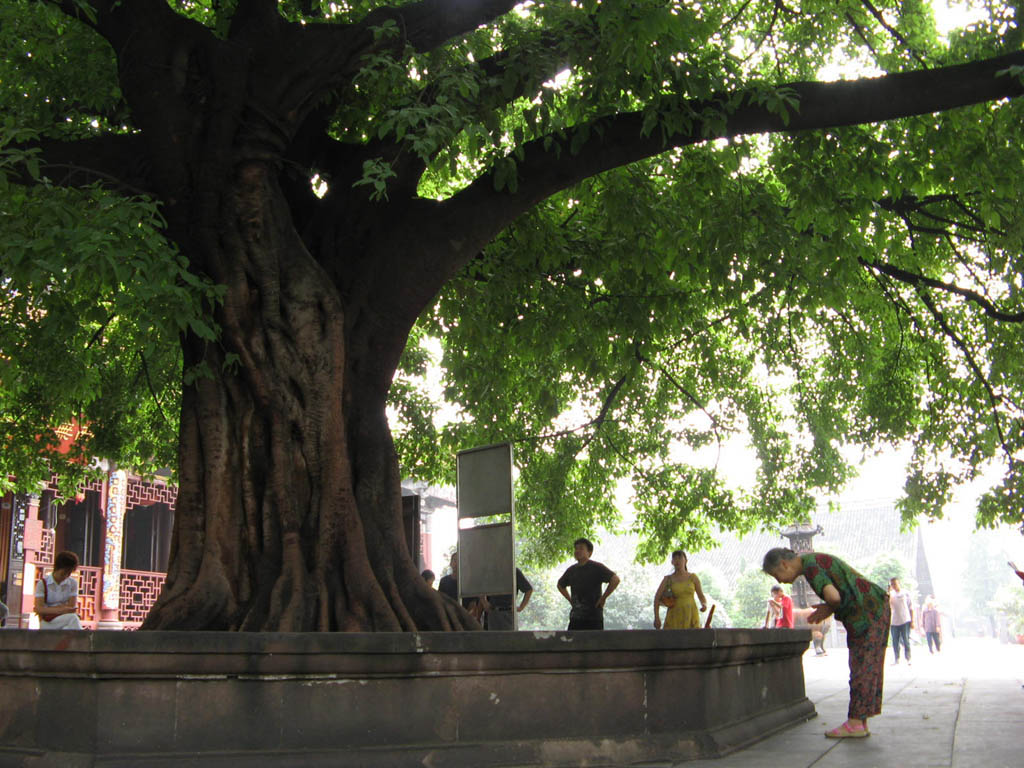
<point>450,699</point>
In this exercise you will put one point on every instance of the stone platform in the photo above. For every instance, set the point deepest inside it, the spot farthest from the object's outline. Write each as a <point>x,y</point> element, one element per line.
<point>425,699</point>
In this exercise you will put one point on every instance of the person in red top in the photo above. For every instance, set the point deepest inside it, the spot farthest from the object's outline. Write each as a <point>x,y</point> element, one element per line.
<point>784,605</point>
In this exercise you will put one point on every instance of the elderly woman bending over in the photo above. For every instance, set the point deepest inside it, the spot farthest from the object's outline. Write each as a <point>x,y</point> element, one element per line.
<point>863,607</point>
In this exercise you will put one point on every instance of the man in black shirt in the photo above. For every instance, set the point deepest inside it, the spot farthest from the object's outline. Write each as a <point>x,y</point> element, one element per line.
<point>499,615</point>
<point>585,579</point>
<point>449,585</point>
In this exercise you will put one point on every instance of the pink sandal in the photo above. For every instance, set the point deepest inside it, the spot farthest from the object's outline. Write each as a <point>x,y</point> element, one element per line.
<point>847,731</point>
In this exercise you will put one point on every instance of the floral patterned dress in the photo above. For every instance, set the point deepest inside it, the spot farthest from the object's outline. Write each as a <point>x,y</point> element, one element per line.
<point>864,611</point>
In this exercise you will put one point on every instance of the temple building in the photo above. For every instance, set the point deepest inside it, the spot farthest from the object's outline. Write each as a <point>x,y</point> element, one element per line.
<point>120,528</point>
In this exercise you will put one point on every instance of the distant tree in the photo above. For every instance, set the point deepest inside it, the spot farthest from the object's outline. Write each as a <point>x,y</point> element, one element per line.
<point>892,565</point>
<point>749,600</point>
<point>547,609</point>
<point>985,572</point>
<point>1009,601</point>
<point>712,579</point>
<point>631,605</point>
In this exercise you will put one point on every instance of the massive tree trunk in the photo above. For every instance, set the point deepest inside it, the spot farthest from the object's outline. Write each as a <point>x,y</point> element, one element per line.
<point>289,511</point>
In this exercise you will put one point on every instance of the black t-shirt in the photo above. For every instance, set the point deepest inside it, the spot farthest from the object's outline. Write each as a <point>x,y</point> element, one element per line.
<point>584,583</point>
<point>449,585</point>
<point>504,602</point>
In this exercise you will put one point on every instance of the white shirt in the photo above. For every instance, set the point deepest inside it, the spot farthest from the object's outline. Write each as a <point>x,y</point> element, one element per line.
<point>899,602</point>
<point>55,593</point>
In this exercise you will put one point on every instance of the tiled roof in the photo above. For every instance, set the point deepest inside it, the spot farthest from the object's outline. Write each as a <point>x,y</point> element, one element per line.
<point>858,532</point>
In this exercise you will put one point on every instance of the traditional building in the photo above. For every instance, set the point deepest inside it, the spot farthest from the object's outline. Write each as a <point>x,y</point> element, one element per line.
<point>120,528</point>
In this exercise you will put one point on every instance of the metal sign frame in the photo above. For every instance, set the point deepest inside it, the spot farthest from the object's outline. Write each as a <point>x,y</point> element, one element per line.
<point>484,488</point>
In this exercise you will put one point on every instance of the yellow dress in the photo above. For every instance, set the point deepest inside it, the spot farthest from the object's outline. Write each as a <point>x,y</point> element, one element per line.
<point>684,614</point>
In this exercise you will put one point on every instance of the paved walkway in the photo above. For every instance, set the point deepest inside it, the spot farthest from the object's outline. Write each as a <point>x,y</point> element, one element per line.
<point>963,708</point>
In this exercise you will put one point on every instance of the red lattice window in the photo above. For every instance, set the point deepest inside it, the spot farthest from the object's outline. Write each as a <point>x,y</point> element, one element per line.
<point>139,590</point>
<point>140,493</point>
<point>45,556</point>
<point>89,580</point>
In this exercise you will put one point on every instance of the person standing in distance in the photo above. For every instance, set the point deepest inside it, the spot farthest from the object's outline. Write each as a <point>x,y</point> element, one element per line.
<point>902,619</point>
<point>931,624</point>
<point>449,585</point>
<point>785,606</point>
<point>677,591</point>
<point>584,580</point>
<point>499,615</point>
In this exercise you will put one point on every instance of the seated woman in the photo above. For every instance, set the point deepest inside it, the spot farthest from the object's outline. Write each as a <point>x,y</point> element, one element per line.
<point>57,595</point>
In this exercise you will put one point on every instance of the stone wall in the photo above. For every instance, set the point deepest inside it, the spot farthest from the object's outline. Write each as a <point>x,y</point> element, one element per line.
<point>436,699</point>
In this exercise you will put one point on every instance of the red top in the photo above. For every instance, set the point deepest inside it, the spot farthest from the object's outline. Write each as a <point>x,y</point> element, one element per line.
<point>786,619</point>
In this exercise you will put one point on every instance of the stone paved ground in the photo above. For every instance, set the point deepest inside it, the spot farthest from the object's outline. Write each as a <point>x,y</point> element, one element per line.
<point>963,708</point>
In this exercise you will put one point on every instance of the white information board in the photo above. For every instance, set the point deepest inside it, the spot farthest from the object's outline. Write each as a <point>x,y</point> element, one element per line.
<point>487,560</point>
<point>486,552</point>
<point>484,484</point>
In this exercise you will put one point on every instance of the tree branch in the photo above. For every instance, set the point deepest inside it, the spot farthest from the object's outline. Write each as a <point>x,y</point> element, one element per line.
<point>972,363</point>
<point>116,20</point>
<point>896,35</point>
<point>429,23</point>
<point>595,422</point>
<point>116,159</point>
<point>715,424</point>
<point>254,13</point>
<point>548,165</point>
<point>911,278</point>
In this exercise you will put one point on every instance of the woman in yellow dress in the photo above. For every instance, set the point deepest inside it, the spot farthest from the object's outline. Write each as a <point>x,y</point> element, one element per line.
<point>676,591</point>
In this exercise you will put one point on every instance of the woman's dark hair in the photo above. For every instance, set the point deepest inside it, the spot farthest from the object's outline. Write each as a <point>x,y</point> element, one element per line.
<point>428,575</point>
<point>679,553</point>
<point>585,542</point>
<point>775,556</point>
<point>68,560</point>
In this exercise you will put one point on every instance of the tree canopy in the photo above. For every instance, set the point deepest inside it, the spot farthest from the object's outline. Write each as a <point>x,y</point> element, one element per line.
<point>638,227</point>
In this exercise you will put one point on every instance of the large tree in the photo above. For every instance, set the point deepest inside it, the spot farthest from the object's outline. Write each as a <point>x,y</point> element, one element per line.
<point>651,212</point>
